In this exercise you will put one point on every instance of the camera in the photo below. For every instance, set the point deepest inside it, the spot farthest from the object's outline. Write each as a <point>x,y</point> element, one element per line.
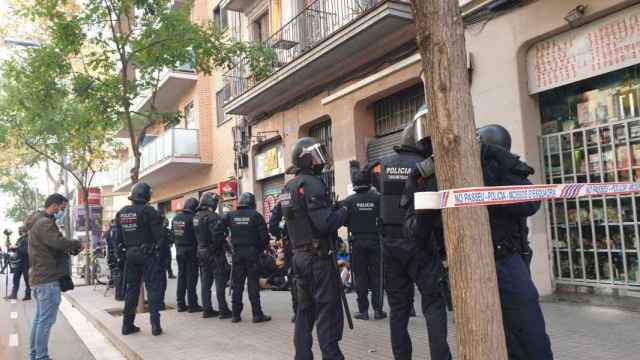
<point>7,232</point>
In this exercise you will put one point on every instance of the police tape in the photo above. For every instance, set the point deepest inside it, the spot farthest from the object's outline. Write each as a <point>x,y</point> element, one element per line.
<point>501,195</point>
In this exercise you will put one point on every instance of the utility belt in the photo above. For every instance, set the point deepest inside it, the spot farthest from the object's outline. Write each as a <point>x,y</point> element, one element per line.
<point>503,249</point>
<point>393,231</point>
<point>312,249</point>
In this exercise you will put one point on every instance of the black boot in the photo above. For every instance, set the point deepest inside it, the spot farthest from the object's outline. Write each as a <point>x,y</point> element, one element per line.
<point>195,309</point>
<point>182,308</point>
<point>261,318</point>
<point>11,297</point>
<point>225,314</point>
<point>26,297</point>
<point>361,316</point>
<point>235,318</point>
<point>207,313</point>
<point>379,314</point>
<point>155,327</point>
<point>127,325</point>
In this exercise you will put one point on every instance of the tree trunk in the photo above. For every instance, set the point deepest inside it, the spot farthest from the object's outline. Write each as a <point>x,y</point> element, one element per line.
<point>472,271</point>
<point>88,271</point>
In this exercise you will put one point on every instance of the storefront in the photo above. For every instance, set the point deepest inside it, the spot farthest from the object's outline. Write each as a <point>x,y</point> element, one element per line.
<point>587,81</point>
<point>269,170</point>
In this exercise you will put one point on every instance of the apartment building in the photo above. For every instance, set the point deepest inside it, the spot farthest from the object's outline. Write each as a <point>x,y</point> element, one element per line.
<point>196,155</point>
<point>561,75</point>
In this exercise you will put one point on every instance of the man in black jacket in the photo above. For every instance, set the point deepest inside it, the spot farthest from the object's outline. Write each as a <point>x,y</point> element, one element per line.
<point>22,265</point>
<point>143,238</point>
<point>212,258</point>
<point>249,238</point>
<point>186,246</point>
<point>524,323</point>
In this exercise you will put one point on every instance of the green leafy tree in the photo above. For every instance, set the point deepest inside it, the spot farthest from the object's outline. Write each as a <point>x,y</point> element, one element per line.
<point>123,47</point>
<point>17,184</point>
<point>43,107</point>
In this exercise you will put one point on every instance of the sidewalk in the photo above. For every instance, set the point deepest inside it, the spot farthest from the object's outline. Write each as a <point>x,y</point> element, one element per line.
<point>577,332</point>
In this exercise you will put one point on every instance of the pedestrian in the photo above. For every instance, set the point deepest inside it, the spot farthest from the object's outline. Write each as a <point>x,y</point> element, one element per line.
<point>48,251</point>
<point>312,225</point>
<point>186,255</point>
<point>362,216</point>
<point>142,236</point>
<point>524,324</point>
<point>412,246</point>
<point>214,267</point>
<point>249,238</point>
<point>22,265</point>
<point>278,228</point>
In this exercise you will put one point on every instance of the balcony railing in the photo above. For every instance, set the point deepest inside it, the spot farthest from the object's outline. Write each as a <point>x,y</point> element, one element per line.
<point>171,144</point>
<point>314,24</point>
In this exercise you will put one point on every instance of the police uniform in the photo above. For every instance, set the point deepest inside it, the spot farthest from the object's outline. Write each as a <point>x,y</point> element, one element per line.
<point>214,267</point>
<point>186,245</point>
<point>312,225</point>
<point>281,233</point>
<point>115,261</point>
<point>524,323</point>
<point>142,235</point>
<point>249,238</point>
<point>409,261</point>
<point>363,213</point>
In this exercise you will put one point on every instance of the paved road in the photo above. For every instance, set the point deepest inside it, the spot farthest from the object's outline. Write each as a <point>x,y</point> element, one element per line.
<point>15,327</point>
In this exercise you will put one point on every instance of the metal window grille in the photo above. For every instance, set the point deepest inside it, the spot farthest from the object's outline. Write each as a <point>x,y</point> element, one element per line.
<point>594,240</point>
<point>395,112</point>
<point>322,132</point>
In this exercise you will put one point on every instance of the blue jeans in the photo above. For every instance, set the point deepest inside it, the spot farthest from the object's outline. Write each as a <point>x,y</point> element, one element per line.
<point>47,298</point>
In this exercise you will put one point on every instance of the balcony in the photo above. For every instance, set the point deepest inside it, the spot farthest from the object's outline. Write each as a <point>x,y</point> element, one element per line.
<point>171,155</point>
<point>174,83</point>
<point>326,41</point>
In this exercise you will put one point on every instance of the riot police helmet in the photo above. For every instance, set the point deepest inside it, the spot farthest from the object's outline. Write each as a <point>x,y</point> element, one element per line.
<point>309,154</point>
<point>407,139</point>
<point>360,179</point>
<point>191,205</point>
<point>494,135</point>
<point>209,200</point>
<point>140,193</point>
<point>247,201</point>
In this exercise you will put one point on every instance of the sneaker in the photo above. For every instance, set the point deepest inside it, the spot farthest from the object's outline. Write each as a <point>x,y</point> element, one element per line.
<point>379,314</point>
<point>361,316</point>
<point>225,314</point>
<point>195,309</point>
<point>209,313</point>
<point>261,318</point>
<point>236,319</point>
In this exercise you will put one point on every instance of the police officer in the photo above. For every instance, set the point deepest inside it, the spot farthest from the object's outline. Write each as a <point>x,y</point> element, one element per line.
<point>278,228</point>
<point>249,238</point>
<point>185,240</point>
<point>22,265</point>
<point>115,261</point>
<point>312,224</point>
<point>414,259</point>
<point>212,258</point>
<point>363,214</point>
<point>524,323</point>
<point>141,234</point>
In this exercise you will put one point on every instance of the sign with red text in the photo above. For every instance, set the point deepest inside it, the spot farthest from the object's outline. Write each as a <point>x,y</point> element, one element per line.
<point>605,45</point>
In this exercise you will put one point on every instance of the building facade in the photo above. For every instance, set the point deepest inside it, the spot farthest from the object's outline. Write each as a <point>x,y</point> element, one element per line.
<point>563,84</point>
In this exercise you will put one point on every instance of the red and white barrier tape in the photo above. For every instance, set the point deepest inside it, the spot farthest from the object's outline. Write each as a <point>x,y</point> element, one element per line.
<point>497,195</point>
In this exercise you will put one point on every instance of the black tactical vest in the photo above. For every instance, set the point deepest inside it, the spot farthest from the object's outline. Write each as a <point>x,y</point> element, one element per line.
<point>203,223</point>
<point>364,210</point>
<point>394,171</point>
<point>294,208</point>
<point>135,228</point>
<point>183,230</point>
<point>243,228</point>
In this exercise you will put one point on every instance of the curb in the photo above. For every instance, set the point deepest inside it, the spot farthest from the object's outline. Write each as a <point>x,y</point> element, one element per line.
<point>120,345</point>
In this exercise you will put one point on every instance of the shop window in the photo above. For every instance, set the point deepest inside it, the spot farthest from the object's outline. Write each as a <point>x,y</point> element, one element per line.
<point>395,112</point>
<point>322,132</point>
<point>591,133</point>
<point>220,18</point>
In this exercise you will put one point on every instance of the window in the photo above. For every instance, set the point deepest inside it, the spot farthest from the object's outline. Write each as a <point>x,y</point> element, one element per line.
<point>220,18</point>
<point>322,132</point>
<point>261,30</point>
<point>189,117</point>
<point>395,112</point>
<point>222,97</point>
